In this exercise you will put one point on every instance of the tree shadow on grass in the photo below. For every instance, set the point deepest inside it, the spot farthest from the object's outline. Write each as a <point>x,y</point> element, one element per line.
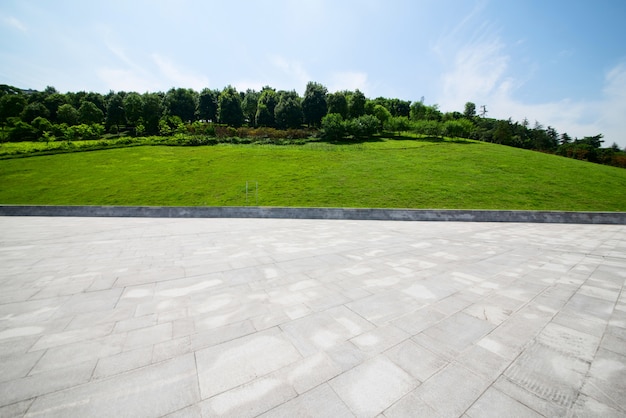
<point>401,137</point>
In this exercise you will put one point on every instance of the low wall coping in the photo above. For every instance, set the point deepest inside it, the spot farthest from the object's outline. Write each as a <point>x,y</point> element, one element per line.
<point>449,215</point>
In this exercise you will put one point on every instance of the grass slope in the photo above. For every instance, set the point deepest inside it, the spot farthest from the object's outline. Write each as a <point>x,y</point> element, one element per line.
<point>386,173</point>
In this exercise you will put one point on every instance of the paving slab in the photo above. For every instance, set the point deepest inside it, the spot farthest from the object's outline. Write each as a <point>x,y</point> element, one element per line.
<point>295,317</point>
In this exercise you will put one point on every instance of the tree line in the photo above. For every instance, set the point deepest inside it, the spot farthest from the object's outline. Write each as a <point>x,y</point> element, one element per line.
<point>29,115</point>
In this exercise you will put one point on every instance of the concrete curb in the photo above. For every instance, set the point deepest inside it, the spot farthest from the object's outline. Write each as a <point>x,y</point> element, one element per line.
<point>613,218</point>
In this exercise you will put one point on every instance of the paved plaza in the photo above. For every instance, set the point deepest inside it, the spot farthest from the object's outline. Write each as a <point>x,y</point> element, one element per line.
<point>292,318</point>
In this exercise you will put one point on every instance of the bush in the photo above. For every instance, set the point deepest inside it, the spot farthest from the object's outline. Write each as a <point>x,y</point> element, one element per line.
<point>22,131</point>
<point>431,128</point>
<point>363,127</point>
<point>461,128</point>
<point>333,127</point>
<point>398,124</point>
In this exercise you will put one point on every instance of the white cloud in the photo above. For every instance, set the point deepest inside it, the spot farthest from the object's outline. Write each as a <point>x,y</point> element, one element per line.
<point>243,85</point>
<point>480,73</point>
<point>177,76</point>
<point>14,23</point>
<point>126,80</point>
<point>296,74</point>
<point>349,80</point>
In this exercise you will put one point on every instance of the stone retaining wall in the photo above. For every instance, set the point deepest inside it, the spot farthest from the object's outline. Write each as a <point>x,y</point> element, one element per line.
<point>615,218</point>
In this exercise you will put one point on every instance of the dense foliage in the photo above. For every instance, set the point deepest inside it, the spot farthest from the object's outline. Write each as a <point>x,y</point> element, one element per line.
<point>47,116</point>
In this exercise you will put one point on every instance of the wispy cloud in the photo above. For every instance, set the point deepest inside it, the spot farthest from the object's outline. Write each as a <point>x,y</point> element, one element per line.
<point>481,73</point>
<point>294,71</point>
<point>349,80</point>
<point>118,79</point>
<point>14,22</point>
<point>476,64</point>
<point>178,76</point>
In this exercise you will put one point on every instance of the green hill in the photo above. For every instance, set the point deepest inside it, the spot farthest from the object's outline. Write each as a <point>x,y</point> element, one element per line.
<point>384,174</point>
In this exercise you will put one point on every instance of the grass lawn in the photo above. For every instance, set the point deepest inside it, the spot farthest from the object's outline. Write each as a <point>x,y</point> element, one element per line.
<point>380,174</point>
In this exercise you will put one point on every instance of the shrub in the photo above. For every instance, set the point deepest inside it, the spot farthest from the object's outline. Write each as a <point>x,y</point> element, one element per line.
<point>363,127</point>
<point>333,127</point>
<point>398,124</point>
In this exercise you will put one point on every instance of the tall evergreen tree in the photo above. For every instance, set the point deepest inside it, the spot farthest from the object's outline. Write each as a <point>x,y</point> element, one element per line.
<point>314,104</point>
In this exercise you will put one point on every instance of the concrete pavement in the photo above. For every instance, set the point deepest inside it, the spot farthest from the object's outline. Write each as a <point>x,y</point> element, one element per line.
<point>282,318</point>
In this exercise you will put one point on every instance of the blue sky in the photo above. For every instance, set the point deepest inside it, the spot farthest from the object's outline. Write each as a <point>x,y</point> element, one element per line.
<point>562,63</point>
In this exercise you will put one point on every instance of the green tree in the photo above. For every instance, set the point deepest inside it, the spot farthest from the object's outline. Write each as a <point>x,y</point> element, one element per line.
<point>89,113</point>
<point>97,99</point>
<point>115,115</point>
<point>382,114</point>
<point>34,110</point>
<point>67,114</point>
<point>337,103</point>
<point>470,110</point>
<point>152,111</point>
<point>363,127</point>
<point>333,127</point>
<point>266,107</point>
<point>356,104</point>
<point>133,109</point>
<point>42,125</point>
<point>314,105</point>
<point>11,105</point>
<point>288,111</point>
<point>207,104</point>
<point>229,107</point>
<point>52,103</point>
<point>418,111</point>
<point>182,103</point>
<point>249,106</point>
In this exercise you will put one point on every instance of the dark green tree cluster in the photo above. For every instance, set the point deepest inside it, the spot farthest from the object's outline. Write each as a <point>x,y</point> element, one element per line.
<point>28,115</point>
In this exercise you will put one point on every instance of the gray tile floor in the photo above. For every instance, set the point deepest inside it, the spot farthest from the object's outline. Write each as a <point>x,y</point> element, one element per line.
<point>283,318</point>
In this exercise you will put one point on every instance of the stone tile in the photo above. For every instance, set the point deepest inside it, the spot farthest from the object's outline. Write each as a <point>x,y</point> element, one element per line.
<point>383,307</point>
<point>324,330</point>
<point>228,365</point>
<point>73,336</point>
<point>569,341</point>
<point>548,374</point>
<point>170,349</point>
<point>101,300</point>
<point>28,387</point>
<point>411,406</point>
<point>17,409</point>
<point>123,362</point>
<point>589,407</point>
<point>416,360</point>
<point>148,336</point>
<point>193,411</point>
<point>250,399</point>
<point>309,372</point>
<point>131,324</point>
<point>418,321</point>
<point>18,365</point>
<point>589,306</point>
<point>483,362</point>
<point>459,331</point>
<point>321,401</point>
<point>149,391</point>
<point>613,343</point>
<point>495,404</point>
<point>346,355</point>
<point>523,395</point>
<point>373,386</point>
<point>76,353</point>
<point>379,339</point>
<point>607,379</point>
<point>223,334</point>
<point>443,393</point>
<point>588,325</point>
